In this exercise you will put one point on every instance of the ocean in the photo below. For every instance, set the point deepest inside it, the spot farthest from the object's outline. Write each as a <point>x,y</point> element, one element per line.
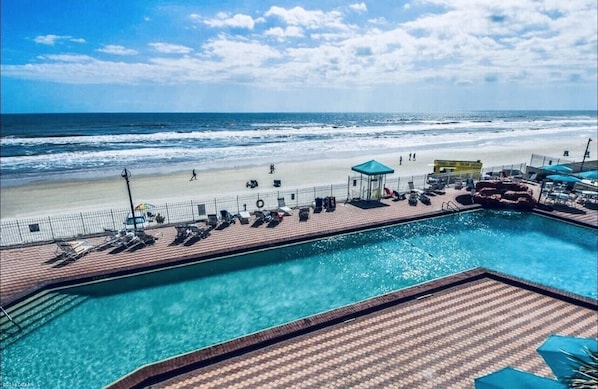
<point>95,145</point>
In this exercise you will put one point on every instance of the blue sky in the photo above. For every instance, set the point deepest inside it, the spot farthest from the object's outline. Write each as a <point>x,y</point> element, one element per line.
<point>238,56</point>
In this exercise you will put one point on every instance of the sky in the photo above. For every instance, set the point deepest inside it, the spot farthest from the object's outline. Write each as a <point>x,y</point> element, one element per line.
<point>297,56</point>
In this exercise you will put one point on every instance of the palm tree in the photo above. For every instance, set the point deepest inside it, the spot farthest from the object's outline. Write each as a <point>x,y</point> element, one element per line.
<point>585,372</point>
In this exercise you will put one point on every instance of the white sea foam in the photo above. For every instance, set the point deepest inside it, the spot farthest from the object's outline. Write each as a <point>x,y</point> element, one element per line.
<point>274,142</point>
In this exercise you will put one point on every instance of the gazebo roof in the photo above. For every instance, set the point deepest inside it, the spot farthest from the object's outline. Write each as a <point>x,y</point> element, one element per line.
<point>372,168</point>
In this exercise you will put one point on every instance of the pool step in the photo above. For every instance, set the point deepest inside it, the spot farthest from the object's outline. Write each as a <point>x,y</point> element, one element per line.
<point>33,314</point>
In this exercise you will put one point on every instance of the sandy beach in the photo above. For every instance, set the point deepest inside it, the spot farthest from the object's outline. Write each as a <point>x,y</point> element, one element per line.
<point>56,198</point>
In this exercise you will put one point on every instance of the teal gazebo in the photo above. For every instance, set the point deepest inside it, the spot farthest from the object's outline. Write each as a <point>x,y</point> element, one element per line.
<point>375,173</point>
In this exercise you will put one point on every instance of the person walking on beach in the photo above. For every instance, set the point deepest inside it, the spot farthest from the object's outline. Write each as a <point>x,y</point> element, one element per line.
<point>410,156</point>
<point>193,176</point>
<point>401,160</point>
<point>414,156</point>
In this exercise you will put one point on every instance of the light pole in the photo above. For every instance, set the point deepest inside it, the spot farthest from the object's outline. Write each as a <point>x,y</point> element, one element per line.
<point>585,154</point>
<point>126,174</point>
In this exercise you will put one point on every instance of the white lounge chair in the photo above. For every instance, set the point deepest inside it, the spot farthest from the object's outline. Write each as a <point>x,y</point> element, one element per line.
<point>74,250</point>
<point>282,207</point>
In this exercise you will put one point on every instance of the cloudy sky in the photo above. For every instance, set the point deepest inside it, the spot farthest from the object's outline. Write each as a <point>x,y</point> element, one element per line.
<point>326,55</point>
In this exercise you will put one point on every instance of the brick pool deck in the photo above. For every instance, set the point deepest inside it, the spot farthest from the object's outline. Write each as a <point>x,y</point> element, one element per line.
<point>473,324</point>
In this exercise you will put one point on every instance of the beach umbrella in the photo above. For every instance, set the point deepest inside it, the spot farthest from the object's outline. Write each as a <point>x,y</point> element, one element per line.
<point>557,349</point>
<point>144,207</point>
<point>590,174</point>
<point>563,178</point>
<point>557,168</point>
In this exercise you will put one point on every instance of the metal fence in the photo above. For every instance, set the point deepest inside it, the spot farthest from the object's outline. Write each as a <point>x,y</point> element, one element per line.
<point>52,228</point>
<point>542,160</point>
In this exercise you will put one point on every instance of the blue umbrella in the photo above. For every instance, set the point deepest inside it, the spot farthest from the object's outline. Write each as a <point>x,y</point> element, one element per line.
<point>557,168</point>
<point>557,349</point>
<point>563,178</point>
<point>590,174</point>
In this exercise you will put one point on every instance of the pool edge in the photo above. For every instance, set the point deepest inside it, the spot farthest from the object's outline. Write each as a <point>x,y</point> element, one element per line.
<point>177,365</point>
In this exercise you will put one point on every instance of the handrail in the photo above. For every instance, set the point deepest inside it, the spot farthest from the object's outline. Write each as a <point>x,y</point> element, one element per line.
<point>10,318</point>
<point>451,206</point>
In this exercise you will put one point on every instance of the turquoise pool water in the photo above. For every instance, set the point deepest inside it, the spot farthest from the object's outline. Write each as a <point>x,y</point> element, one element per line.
<point>123,324</point>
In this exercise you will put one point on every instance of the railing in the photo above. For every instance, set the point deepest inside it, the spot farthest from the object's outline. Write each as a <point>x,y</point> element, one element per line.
<point>51,228</point>
<point>451,206</point>
<point>10,318</point>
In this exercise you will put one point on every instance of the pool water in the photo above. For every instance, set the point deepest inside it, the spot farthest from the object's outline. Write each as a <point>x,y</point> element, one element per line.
<point>123,324</point>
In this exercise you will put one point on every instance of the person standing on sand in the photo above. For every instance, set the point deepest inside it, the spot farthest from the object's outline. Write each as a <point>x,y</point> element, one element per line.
<point>414,156</point>
<point>193,176</point>
<point>401,160</point>
<point>410,156</point>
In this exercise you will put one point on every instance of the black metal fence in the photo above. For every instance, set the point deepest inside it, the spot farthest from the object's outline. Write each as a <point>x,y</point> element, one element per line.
<point>52,228</point>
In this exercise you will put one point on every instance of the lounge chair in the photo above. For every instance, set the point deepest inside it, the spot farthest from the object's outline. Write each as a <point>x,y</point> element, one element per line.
<point>396,196</point>
<point>275,218</point>
<point>144,238</point>
<point>185,230</point>
<point>262,217</point>
<point>201,213</point>
<point>200,232</point>
<point>227,218</point>
<point>318,205</point>
<point>74,250</point>
<point>413,198</point>
<point>112,236</point>
<point>424,199</point>
<point>212,220</point>
<point>282,207</point>
<point>459,184</point>
<point>303,214</point>
<point>330,203</point>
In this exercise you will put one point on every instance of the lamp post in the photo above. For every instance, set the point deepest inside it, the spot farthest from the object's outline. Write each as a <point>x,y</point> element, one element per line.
<point>585,154</point>
<point>126,174</point>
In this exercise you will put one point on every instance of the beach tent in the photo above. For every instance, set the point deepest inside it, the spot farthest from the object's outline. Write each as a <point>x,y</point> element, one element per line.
<point>376,173</point>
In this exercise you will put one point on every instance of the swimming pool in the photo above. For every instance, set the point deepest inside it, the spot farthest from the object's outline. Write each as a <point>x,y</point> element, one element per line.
<point>117,326</point>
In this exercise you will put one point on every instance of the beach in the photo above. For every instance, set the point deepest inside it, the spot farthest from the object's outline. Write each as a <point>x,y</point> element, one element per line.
<point>39,199</point>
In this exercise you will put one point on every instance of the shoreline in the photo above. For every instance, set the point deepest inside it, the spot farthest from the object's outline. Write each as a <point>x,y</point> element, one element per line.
<point>80,194</point>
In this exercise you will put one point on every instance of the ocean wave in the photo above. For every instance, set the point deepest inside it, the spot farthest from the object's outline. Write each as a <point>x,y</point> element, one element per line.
<point>163,144</point>
<point>291,132</point>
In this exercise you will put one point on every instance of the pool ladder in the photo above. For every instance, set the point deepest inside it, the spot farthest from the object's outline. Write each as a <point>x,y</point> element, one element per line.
<point>450,206</point>
<point>10,318</point>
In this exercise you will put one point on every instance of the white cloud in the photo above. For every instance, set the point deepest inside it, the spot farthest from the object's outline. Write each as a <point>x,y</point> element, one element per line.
<point>359,7</point>
<point>168,48</point>
<point>298,16</point>
<point>52,39</point>
<point>226,20</point>
<point>67,58</point>
<point>117,50</point>
<point>232,53</point>
<point>520,42</point>
<point>289,32</point>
